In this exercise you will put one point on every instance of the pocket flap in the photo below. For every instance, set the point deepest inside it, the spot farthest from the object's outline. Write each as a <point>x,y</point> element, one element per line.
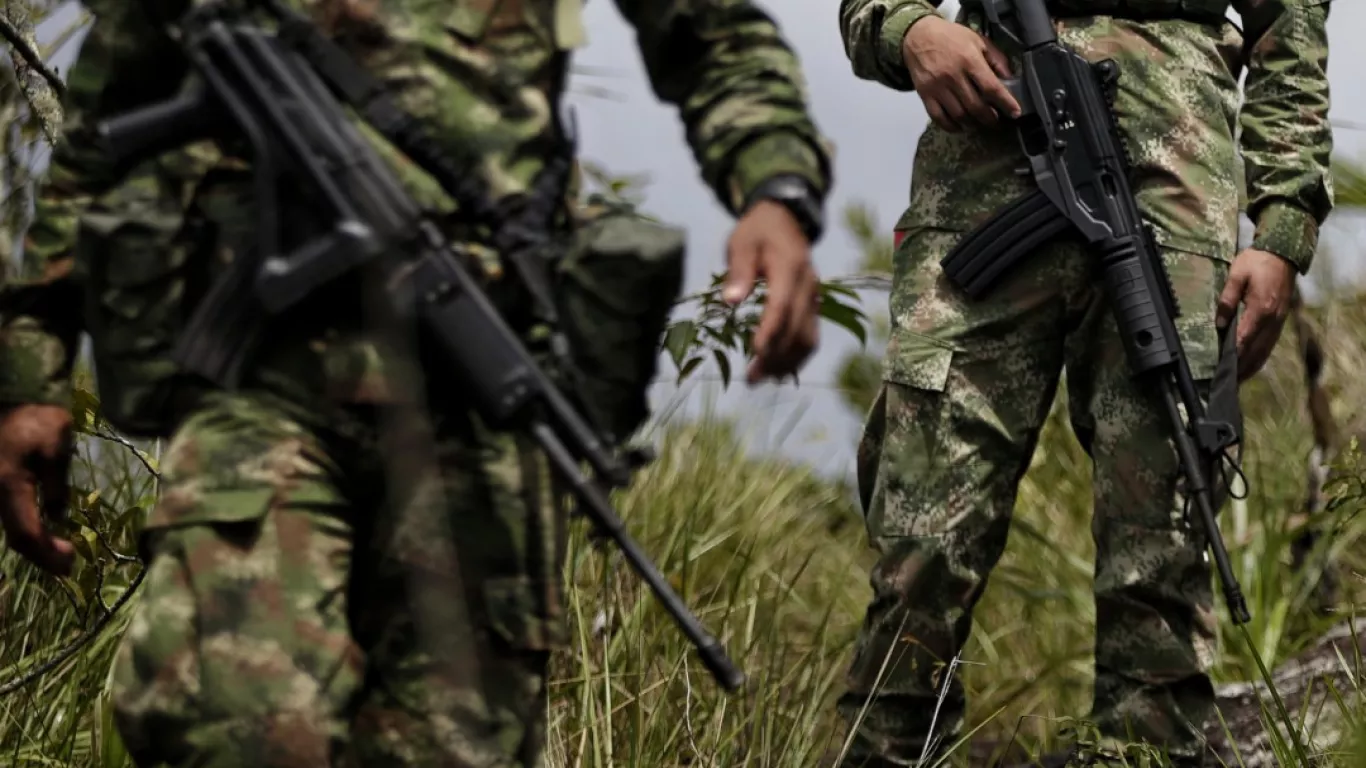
<point>916,360</point>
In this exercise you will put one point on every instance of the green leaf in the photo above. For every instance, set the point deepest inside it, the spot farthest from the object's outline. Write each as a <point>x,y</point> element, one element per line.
<point>723,363</point>
<point>681,337</point>
<point>688,368</point>
<point>847,316</point>
<point>85,409</point>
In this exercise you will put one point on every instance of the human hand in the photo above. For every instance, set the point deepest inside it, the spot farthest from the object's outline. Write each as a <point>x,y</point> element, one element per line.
<point>1263,283</point>
<point>768,243</point>
<point>957,73</point>
<point>35,456</point>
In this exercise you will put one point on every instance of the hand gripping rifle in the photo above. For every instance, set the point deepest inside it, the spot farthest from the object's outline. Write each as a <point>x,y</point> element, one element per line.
<point>283,93</point>
<point>1078,162</point>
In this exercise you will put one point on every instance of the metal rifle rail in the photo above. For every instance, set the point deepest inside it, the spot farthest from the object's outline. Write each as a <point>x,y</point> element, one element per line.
<point>284,104</point>
<point>1078,162</point>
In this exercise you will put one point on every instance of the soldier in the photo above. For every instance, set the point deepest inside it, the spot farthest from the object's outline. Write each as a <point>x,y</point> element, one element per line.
<point>289,576</point>
<point>967,385</point>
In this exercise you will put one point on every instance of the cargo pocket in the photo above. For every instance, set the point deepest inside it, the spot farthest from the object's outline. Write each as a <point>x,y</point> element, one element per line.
<point>903,471</point>
<point>917,361</point>
<point>512,608</point>
<point>1197,280</point>
<point>238,456</point>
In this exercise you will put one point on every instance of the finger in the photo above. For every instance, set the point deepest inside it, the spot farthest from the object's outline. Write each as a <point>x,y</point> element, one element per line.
<point>998,61</point>
<point>971,100</point>
<point>1258,338</point>
<point>1256,351</point>
<point>1229,299</point>
<point>953,110</point>
<point>24,531</point>
<point>742,269</point>
<point>802,331</point>
<point>994,91</point>
<point>937,114</point>
<point>777,310</point>
<point>789,349</point>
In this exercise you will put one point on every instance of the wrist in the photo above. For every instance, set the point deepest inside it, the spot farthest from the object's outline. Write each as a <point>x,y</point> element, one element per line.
<point>913,30</point>
<point>798,196</point>
<point>894,37</point>
<point>1287,231</point>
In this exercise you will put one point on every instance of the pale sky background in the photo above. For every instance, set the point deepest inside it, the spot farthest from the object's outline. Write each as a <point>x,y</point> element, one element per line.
<point>874,130</point>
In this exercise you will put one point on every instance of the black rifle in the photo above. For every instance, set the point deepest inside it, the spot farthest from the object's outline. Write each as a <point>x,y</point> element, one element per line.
<point>283,93</point>
<point>1078,161</point>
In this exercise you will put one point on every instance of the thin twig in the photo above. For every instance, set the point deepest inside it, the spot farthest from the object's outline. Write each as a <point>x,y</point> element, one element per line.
<point>29,55</point>
<point>67,652</point>
<point>123,441</point>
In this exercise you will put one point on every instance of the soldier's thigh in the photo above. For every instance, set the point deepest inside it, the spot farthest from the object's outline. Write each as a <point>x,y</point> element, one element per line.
<point>966,386</point>
<point>239,651</point>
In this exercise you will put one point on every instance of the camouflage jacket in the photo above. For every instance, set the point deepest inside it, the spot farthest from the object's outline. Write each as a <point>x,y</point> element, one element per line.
<point>484,72</point>
<point>1178,110</point>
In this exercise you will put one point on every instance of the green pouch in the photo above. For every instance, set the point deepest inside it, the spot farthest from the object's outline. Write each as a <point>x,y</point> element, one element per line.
<point>615,290</point>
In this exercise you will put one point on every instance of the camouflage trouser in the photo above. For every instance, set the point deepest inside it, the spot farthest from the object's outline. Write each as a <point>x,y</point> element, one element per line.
<point>304,608</point>
<point>967,388</point>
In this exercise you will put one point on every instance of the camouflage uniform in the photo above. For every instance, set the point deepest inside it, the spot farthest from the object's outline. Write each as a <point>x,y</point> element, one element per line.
<point>296,583</point>
<point>967,385</point>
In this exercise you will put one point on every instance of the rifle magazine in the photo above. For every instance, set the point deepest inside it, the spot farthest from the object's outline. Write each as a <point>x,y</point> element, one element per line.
<point>987,253</point>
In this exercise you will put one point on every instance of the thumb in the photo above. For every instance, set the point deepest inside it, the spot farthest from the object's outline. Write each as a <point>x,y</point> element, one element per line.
<point>1229,298</point>
<point>743,258</point>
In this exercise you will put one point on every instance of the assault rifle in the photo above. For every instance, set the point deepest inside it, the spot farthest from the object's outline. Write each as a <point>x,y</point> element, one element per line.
<point>1078,161</point>
<point>283,93</point>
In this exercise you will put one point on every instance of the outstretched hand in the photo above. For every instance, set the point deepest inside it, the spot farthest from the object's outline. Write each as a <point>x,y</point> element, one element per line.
<point>768,243</point>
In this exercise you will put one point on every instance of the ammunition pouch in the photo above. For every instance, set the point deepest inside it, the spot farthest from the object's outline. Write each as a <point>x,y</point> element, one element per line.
<point>615,290</point>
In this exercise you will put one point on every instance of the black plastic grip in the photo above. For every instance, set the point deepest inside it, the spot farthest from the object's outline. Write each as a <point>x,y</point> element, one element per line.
<point>1148,335</point>
<point>160,127</point>
<point>985,254</point>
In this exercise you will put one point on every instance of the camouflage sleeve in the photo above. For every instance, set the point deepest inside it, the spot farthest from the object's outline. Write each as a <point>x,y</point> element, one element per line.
<point>739,90</point>
<point>1286,137</point>
<point>124,60</point>
<point>872,31</point>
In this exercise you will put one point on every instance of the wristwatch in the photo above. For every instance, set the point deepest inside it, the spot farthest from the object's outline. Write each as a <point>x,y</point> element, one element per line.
<point>796,195</point>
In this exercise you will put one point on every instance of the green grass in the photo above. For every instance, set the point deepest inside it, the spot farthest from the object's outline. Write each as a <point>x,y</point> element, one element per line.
<point>774,560</point>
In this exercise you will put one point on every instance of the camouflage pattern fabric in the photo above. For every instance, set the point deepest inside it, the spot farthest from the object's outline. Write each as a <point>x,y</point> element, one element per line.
<point>967,385</point>
<point>967,390</point>
<point>486,74</point>
<point>296,581</point>
<point>280,623</point>
<point>1178,108</point>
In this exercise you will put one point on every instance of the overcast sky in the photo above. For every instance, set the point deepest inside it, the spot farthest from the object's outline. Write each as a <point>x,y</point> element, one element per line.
<point>874,131</point>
